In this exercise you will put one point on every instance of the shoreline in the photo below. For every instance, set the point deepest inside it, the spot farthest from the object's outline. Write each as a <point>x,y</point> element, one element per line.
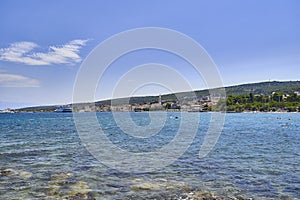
<point>170,111</point>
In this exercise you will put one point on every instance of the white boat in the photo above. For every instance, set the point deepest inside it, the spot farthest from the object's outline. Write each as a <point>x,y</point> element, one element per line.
<point>63,109</point>
<point>7,111</point>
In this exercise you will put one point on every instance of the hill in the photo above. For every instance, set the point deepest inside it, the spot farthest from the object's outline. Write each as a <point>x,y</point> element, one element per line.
<point>265,88</point>
<point>262,88</point>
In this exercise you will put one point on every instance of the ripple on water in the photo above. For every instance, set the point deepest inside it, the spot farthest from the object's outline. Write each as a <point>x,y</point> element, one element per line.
<point>42,157</point>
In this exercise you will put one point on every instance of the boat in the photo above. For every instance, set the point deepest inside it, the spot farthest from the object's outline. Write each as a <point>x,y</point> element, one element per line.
<point>63,109</point>
<point>7,111</point>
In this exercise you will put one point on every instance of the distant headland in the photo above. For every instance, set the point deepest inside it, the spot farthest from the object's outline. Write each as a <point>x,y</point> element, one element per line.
<point>275,96</point>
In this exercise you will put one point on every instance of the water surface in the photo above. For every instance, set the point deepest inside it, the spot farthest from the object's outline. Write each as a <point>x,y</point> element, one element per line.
<point>257,156</point>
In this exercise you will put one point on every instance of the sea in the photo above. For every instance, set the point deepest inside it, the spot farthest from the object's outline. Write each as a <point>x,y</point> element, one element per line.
<point>43,156</point>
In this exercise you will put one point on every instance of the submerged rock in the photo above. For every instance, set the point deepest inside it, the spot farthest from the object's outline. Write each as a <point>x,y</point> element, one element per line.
<point>171,190</point>
<point>13,172</point>
<point>206,195</point>
<point>80,196</point>
<point>80,187</point>
<point>80,190</point>
<point>25,175</point>
<point>61,176</point>
<point>57,181</point>
<point>62,186</point>
<point>158,184</point>
<point>8,172</point>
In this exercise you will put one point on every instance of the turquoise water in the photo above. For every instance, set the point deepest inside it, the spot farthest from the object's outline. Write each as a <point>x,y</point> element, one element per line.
<point>257,156</point>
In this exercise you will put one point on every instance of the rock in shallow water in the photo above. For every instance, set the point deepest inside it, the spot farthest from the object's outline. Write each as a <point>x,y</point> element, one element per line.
<point>80,196</point>
<point>62,188</point>
<point>206,195</point>
<point>25,175</point>
<point>158,184</point>
<point>170,190</point>
<point>8,172</point>
<point>79,188</point>
<point>14,172</point>
<point>61,176</point>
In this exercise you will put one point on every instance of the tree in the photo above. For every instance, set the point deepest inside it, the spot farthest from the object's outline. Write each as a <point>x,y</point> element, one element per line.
<point>291,109</point>
<point>277,96</point>
<point>230,100</point>
<point>251,98</point>
<point>168,106</point>
<point>293,97</point>
<point>205,107</point>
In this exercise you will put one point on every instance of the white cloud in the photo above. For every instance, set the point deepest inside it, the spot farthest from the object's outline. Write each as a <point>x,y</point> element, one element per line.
<point>22,52</point>
<point>14,80</point>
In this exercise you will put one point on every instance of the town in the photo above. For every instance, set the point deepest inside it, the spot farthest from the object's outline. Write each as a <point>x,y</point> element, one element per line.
<point>255,97</point>
<point>187,103</point>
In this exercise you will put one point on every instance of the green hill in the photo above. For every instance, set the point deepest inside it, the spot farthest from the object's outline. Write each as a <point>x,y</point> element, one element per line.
<point>262,88</point>
<point>265,88</point>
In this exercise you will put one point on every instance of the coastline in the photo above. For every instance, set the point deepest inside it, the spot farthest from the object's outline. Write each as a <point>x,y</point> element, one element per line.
<point>171,111</point>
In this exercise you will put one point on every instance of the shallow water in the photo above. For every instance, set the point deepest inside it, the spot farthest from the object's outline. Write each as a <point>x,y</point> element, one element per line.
<point>257,156</point>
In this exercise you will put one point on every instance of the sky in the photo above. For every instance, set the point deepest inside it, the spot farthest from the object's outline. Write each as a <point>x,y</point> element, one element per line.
<point>44,43</point>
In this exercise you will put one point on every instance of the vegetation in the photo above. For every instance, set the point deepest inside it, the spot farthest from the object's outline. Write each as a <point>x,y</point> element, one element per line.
<point>246,97</point>
<point>277,101</point>
<point>264,88</point>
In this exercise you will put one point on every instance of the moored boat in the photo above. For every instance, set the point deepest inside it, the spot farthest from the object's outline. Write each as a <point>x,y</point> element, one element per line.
<point>63,109</point>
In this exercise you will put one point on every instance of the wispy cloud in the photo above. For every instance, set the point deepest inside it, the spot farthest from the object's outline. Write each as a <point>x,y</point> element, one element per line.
<point>23,52</point>
<point>15,80</point>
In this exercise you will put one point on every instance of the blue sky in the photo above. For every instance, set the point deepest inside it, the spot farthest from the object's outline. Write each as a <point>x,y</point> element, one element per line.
<point>43,43</point>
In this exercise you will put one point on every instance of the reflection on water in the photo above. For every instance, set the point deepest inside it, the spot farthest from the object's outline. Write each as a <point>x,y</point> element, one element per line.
<point>257,156</point>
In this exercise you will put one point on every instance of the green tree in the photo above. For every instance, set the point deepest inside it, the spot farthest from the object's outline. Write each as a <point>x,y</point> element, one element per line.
<point>251,98</point>
<point>168,106</point>
<point>292,97</point>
